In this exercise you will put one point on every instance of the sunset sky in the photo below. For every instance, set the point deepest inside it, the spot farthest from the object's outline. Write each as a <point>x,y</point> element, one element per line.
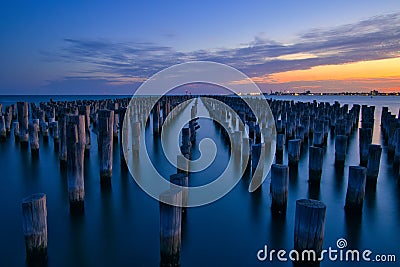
<point>110,47</point>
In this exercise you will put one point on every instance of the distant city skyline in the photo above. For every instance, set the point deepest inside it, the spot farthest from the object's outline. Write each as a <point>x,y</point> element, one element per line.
<point>110,47</point>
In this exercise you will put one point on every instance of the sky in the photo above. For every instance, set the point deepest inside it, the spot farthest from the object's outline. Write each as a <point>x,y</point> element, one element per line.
<point>111,47</point>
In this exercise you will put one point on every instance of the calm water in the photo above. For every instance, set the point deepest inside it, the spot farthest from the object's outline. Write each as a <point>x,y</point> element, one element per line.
<point>121,227</point>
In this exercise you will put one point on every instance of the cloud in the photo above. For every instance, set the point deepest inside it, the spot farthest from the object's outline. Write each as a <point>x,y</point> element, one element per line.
<point>125,62</point>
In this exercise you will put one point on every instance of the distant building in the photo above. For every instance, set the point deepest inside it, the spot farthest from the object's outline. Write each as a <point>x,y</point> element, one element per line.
<point>374,92</point>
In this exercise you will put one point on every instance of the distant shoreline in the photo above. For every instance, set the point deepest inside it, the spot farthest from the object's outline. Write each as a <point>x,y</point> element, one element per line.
<point>265,94</point>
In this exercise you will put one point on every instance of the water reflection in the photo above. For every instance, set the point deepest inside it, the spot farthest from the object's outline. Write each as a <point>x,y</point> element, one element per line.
<point>353,229</point>
<point>314,191</point>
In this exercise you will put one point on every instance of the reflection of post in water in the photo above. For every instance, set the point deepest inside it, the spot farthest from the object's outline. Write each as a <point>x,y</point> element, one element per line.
<point>170,227</point>
<point>293,176</point>
<point>314,191</point>
<point>353,229</point>
<point>277,231</point>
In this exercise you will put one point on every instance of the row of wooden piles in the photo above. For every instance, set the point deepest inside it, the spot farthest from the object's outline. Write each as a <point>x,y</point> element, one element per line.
<point>70,124</point>
<point>300,124</point>
<point>253,144</point>
<point>171,216</point>
<point>297,125</point>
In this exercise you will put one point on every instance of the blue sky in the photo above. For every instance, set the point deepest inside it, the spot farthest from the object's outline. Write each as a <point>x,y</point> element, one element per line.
<point>109,47</point>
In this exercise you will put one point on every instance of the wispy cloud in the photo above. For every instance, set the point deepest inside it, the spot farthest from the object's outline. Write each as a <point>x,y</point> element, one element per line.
<point>371,39</point>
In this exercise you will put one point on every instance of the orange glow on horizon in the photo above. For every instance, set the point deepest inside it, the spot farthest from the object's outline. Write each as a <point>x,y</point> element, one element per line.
<point>363,70</point>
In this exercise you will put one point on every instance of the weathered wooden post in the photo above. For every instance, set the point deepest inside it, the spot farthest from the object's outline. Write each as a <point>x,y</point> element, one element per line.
<point>34,139</point>
<point>396,160</point>
<point>23,123</point>
<point>156,118</point>
<point>279,187</point>
<point>34,216</point>
<point>356,189</point>
<point>193,126</point>
<point>44,129</point>
<point>309,227</point>
<point>8,120</point>
<point>374,160</point>
<point>182,164</point>
<point>251,129</point>
<point>3,131</point>
<point>365,139</point>
<point>256,152</point>
<point>300,130</point>
<point>75,162</point>
<point>294,149</point>
<point>105,143</point>
<point>14,111</point>
<point>237,142</point>
<point>181,179</point>
<point>170,227</point>
<point>50,124</point>
<point>85,110</point>
<point>56,135</point>
<point>166,109</point>
<point>315,161</point>
<point>122,128</point>
<point>246,153</point>
<point>136,129</point>
<point>186,144</point>
<point>280,145</point>
<point>116,123</point>
<point>340,149</point>
<point>16,131</point>
<point>62,124</point>
<point>318,139</point>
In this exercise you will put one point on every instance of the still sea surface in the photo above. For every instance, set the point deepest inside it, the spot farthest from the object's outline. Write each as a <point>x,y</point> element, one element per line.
<point>120,227</point>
